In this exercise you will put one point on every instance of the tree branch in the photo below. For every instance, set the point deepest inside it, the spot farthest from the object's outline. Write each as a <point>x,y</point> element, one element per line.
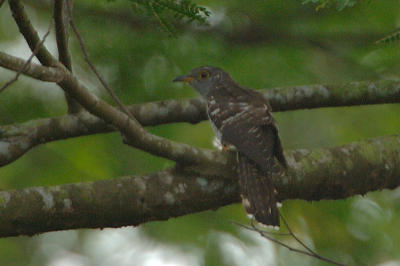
<point>27,135</point>
<point>30,34</point>
<point>62,36</point>
<point>348,94</point>
<point>329,173</point>
<point>183,153</point>
<point>138,137</point>
<point>93,68</point>
<point>49,74</point>
<point>307,252</point>
<point>27,62</point>
<point>32,38</point>
<point>61,18</point>
<point>281,99</point>
<point>133,130</point>
<point>134,134</point>
<point>22,137</point>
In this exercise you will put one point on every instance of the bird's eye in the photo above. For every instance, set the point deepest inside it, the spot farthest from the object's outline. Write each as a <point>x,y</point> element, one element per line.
<point>204,74</point>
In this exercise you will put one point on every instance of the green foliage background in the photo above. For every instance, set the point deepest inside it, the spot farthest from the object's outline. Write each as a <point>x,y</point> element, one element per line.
<point>263,44</point>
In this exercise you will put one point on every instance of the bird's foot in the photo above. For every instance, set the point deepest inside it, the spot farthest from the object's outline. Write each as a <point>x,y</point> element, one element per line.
<point>225,148</point>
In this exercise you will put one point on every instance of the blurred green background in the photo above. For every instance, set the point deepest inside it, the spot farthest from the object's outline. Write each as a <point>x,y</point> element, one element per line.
<point>262,44</point>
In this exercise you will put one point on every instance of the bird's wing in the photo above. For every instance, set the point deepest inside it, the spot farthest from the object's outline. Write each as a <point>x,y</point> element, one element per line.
<point>256,142</point>
<point>245,121</point>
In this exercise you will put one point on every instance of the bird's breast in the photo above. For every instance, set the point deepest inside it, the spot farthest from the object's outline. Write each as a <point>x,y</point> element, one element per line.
<point>211,117</point>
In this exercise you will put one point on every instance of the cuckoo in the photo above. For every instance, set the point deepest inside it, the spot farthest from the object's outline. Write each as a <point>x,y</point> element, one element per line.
<point>241,119</point>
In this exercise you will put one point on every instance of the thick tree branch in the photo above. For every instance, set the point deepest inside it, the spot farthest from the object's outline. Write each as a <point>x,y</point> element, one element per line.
<point>348,94</point>
<point>330,173</point>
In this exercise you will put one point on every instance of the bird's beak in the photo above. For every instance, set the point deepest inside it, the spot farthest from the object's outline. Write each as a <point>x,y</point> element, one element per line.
<point>183,78</point>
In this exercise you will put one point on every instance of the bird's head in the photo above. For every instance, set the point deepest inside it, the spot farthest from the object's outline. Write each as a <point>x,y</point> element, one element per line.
<point>203,79</point>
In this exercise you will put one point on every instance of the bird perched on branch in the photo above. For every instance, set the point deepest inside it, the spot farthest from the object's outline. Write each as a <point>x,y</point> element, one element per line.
<point>242,118</point>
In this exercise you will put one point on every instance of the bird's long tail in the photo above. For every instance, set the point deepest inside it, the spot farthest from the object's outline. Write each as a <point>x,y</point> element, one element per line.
<point>258,192</point>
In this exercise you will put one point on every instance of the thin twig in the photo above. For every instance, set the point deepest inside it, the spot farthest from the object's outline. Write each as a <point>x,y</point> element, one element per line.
<point>92,67</point>
<point>305,246</point>
<point>263,234</point>
<point>24,67</point>
<point>309,252</point>
<point>295,237</point>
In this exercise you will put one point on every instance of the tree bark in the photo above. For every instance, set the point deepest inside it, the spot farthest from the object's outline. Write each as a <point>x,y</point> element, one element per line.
<point>329,173</point>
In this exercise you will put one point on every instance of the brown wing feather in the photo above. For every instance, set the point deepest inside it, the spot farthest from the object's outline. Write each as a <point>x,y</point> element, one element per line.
<point>255,142</point>
<point>243,119</point>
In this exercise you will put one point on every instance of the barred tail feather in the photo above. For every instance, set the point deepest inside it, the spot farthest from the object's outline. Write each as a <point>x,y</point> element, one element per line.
<point>258,192</point>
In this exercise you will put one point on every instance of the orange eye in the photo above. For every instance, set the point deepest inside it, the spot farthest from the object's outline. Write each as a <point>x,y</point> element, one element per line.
<point>204,74</point>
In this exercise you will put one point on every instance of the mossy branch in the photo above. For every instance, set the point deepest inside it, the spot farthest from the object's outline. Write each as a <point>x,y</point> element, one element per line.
<point>328,173</point>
